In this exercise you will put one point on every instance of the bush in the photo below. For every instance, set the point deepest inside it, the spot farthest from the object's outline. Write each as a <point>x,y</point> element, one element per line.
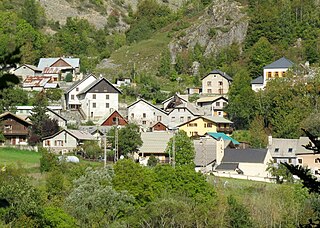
<point>48,161</point>
<point>153,161</point>
<point>69,77</point>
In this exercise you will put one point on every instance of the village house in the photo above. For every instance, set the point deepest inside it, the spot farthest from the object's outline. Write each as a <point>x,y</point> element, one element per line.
<point>145,114</point>
<point>201,125</point>
<point>155,143</point>
<point>213,106</point>
<point>113,119</point>
<point>216,82</point>
<point>38,83</point>
<point>283,150</point>
<point>14,129</point>
<point>99,99</point>
<point>26,70</point>
<point>174,101</point>
<point>244,162</point>
<point>66,140</point>
<point>58,68</point>
<point>72,100</point>
<point>277,69</point>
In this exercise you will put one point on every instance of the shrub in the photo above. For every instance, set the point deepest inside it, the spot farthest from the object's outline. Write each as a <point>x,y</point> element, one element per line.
<point>48,161</point>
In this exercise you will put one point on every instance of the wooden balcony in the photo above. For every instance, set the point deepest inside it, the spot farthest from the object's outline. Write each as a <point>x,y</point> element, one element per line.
<point>226,130</point>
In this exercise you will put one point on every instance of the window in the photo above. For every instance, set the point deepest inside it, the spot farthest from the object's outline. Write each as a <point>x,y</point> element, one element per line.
<point>47,142</point>
<point>181,119</point>
<point>189,118</point>
<point>158,118</point>
<point>93,105</point>
<point>72,97</point>
<point>209,90</point>
<point>276,150</point>
<point>91,114</point>
<point>290,150</point>
<point>219,113</point>
<point>217,104</point>
<point>205,125</point>
<point>77,89</point>
<point>269,75</point>
<point>209,124</point>
<point>289,160</point>
<point>276,74</point>
<point>300,161</point>
<point>224,104</point>
<point>107,105</point>
<point>132,115</point>
<point>7,127</point>
<point>94,96</point>
<point>220,83</point>
<point>220,91</point>
<point>283,73</point>
<point>208,83</point>
<point>107,97</point>
<point>144,115</point>
<point>58,142</point>
<point>144,122</point>
<point>275,160</point>
<point>317,160</point>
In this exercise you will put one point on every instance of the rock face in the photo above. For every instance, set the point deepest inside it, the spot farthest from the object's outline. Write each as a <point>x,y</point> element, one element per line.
<point>223,23</point>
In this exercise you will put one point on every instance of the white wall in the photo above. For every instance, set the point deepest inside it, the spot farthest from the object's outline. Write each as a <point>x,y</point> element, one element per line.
<point>69,142</point>
<point>179,116</point>
<point>100,109</point>
<point>152,115</point>
<point>215,79</point>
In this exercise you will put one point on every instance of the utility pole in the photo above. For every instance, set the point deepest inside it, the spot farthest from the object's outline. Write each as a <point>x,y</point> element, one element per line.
<point>116,142</point>
<point>174,150</point>
<point>105,150</point>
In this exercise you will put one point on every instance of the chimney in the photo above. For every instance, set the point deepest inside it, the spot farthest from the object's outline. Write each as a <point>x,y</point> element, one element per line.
<point>270,140</point>
<point>219,150</point>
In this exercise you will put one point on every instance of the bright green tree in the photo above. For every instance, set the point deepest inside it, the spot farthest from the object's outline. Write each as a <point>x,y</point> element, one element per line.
<point>241,105</point>
<point>92,149</point>
<point>182,146</point>
<point>11,97</point>
<point>129,139</point>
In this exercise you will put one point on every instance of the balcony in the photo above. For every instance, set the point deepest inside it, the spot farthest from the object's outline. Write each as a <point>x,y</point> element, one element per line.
<point>226,130</point>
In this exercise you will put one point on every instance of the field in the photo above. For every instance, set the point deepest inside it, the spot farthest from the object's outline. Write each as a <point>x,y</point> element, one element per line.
<point>21,158</point>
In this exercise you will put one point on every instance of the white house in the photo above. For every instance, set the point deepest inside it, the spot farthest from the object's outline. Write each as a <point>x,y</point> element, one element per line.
<point>66,140</point>
<point>174,101</point>
<point>216,82</point>
<point>99,98</point>
<point>145,114</point>
<point>213,106</point>
<point>72,100</point>
<point>183,113</point>
<point>277,69</point>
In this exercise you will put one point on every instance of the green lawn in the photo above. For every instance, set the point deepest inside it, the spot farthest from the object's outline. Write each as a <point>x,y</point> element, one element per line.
<point>24,158</point>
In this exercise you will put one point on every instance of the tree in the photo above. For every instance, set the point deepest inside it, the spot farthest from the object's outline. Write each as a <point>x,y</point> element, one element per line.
<point>95,203</point>
<point>48,161</point>
<point>49,127</point>
<point>129,139</point>
<point>258,136</point>
<point>241,105</point>
<point>33,13</point>
<point>183,148</point>
<point>37,118</point>
<point>54,94</point>
<point>261,54</point>
<point>11,97</point>
<point>238,214</point>
<point>153,161</point>
<point>92,149</point>
<point>280,172</point>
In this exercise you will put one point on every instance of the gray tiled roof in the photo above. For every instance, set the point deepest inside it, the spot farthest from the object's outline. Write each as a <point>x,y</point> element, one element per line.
<point>79,82</point>
<point>280,63</point>
<point>155,142</point>
<point>280,147</point>
<point>47,62</point>
<point>244,155</point>
<point>227,166</point>
<point>205,151</point>
<point>192,108</point>
<point>223,74</point>
<point>258,80</point>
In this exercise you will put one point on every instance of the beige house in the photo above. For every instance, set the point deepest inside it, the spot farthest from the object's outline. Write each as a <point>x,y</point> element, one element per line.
<point>216,82</point>
<point>66,140</point>
<point>213,105</point>
<point>248,162</point>
<point>307,158</point>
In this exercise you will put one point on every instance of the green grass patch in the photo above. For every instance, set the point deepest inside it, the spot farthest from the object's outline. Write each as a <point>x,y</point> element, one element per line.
<point>22,158</point>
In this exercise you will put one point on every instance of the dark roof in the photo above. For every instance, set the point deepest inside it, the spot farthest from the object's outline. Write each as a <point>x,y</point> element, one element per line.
<point>57,114</point>
<point>223,74</point>
<point>280,63</point>
<point>227,166</point>
<point>110,87</point>
<point>244,155</point>
<point>14,116</point>
<point>258,80</point>
<point>137,101</point>
<point>79,82</point>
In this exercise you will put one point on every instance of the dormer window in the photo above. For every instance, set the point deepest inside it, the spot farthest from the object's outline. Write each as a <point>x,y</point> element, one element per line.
<point>276,150</point>
<point>290,150</point>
